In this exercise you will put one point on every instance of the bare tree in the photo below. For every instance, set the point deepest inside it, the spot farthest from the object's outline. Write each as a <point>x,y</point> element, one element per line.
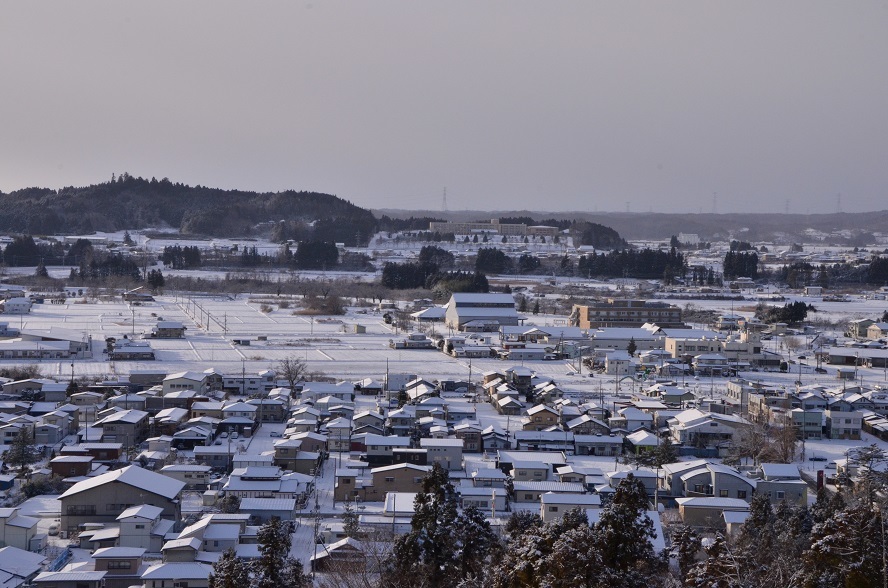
<point>793,344</point>
<point>293,370</point>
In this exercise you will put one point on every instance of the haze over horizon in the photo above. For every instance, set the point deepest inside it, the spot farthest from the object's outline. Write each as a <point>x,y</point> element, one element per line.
<point>689,106</point>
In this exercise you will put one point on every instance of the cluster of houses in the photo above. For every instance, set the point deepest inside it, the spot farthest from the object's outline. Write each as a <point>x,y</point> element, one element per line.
<point>127,451</point>
<point>488,325</point>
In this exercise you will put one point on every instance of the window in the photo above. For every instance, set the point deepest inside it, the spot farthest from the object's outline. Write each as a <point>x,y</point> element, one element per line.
<point>140,526</point>
<point>780,494</point>
<point>741,493</point>
<point>390,479</point>
<point>723,493</point>
<point>528,497</point>
<point>553,509</point>
<point>82,509</point>
<point>119,564</point>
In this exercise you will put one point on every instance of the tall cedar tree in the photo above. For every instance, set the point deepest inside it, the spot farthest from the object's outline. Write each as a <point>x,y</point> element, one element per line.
<point>443,547</point>
<point>275,568</point>
<point>624,534</point>
<point>22,452</point>
<point>229,571</point>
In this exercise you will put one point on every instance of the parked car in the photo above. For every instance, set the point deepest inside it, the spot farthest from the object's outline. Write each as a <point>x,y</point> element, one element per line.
<point>274,434</point>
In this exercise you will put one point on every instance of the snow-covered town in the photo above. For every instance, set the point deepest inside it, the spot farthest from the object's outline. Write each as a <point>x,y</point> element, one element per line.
<point>151,434</point>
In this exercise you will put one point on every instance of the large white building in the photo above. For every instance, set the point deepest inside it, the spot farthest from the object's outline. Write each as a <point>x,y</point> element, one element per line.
<point>473,311</point>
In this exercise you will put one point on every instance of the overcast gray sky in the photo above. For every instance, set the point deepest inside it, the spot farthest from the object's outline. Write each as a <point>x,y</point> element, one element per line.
<point>538,105</point>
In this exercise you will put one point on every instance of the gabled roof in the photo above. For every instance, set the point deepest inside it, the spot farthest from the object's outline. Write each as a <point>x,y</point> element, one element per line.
<point>196,376</point>
<point>134,476</point>
<point>143,511</point>
<point>177,571</point>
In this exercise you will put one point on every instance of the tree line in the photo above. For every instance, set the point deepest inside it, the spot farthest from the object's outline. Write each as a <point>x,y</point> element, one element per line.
<point>840,541</point>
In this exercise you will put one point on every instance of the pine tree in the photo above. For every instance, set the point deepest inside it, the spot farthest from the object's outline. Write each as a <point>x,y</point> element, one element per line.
<point>475,540</point>
<point>22,452</point>
<point>719,570</point>
<point>632,348</point>
<point>572,564</point>
<point>623,535</point>
<point>443,546</point>
<point>846,549</point>
<point>686,545</point>
<point>229,504</point>
<point>41,272</point>
<point>757,541</point>
<point>275,568</point>
<point>72,389</point>
<point>229,571</point>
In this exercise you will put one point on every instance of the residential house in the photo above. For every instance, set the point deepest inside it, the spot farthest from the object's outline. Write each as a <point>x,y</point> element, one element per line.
<point>446,452</point>
<point>782,481</point>
<point>553,506</point>
<point>103,497</point>
<point>469,432</point>
<point>379,448</point>
<point>143,526</point>
<point>187,380</point>
<point>843,424</point>
<point>177,574</point>
<point>19,567</point>
<point>18,531</point>
<point>127,427</point>
<point>541,417</point>
<point>707,512</point>
<point>168,330</point>
<point>709,479</point>
<point>603,445</point>
<point>194,476</point>
<point>525,492</point>
<point>394,478</point>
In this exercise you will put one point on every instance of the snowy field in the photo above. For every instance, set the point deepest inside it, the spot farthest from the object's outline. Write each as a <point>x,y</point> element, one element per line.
<point>330,345</point>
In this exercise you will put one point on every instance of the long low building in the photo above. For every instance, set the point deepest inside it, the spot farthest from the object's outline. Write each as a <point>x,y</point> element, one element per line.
<point>19,349</point>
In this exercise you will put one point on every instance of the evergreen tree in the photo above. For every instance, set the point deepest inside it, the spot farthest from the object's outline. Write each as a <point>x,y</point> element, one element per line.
<point>155,279</point>
<point>846,549</point>
<point>623,535</point>
<point>572,564</point>
<point>22,452</point>
<point>127,239</point>
<point>686,545</point>
<point>72,388</point>
<point>229,571</point>
<point>757,540</point>
<point>41,272</point>
<point>719,570</point>
<point>229,504</point>
<point>275,568</point>
<point>633,347</point>
<point>442,546</point>
<point>350,521</point>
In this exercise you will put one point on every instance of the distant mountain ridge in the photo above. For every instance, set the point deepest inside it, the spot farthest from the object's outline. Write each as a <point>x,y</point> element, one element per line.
<point>710,227</point>
<point>136,203</point>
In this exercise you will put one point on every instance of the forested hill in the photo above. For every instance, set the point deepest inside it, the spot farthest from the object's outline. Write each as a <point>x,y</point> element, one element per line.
<point>135,203</point>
